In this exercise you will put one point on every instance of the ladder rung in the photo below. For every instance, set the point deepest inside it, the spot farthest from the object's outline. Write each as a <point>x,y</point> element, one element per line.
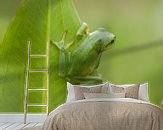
<point>38,71</point>
<point>37,55</point>
<point>37,89</point>
<point>36,105</point>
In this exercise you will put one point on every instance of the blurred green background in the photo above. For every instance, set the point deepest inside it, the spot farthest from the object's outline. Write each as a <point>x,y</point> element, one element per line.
<point>137,56</point>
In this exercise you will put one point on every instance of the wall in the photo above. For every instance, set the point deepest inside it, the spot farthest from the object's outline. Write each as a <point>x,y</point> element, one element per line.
<point>137,56</point>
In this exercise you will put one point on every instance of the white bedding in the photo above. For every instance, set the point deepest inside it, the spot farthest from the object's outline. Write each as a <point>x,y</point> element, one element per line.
<point>127,100</point>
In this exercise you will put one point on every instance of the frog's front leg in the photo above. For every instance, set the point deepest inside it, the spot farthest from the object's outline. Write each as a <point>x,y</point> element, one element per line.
<point>63,56</point>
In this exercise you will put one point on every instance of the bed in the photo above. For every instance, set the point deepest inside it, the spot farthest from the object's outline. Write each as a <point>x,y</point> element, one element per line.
<point>106,114</point>
<point>106,107</point>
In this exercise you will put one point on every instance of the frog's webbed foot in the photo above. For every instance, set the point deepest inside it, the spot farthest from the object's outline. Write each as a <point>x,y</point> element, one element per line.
<point>61,43</point>
<point>83,30</point>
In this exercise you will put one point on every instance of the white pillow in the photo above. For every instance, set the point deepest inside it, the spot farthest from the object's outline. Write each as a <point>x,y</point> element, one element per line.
<point>103,95</point>
<point>106,88</point>
<point>71,93</point>
<point>118,85</point>
<point>121,85</point>
<point>143,92</point>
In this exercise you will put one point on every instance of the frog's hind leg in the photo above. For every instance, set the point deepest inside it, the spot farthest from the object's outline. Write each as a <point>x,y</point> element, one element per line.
<point>85,79</point>
<point>63,63</point>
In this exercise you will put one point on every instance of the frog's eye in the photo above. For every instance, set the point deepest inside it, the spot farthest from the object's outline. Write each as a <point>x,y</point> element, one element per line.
<point>100,41</point>
<point>99,45</point>
<point>112,41</point>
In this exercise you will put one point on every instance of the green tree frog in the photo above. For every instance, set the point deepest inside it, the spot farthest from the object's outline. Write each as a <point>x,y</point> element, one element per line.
<point>79,66</point>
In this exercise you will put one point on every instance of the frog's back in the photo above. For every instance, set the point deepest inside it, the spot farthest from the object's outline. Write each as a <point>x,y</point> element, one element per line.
<point>84,58</point>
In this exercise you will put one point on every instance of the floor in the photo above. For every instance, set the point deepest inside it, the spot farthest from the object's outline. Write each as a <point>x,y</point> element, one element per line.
<point>17,126</point>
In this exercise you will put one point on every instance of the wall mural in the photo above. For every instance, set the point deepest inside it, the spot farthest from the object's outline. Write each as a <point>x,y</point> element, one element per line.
<point>135,58</point>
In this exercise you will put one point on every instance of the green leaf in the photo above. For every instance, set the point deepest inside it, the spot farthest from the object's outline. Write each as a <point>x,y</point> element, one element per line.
<point>38,21</point>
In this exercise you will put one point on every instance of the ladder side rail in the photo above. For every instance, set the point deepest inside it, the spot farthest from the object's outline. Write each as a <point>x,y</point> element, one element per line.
<point>48,59</point>
<point>26,87</point>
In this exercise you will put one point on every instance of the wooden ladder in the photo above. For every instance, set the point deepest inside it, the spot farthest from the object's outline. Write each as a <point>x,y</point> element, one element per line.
<point>27,89</point>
